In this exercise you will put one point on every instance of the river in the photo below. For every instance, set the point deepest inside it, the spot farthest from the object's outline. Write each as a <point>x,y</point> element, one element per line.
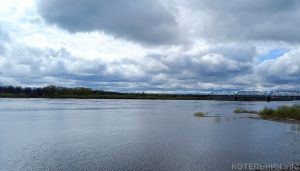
<point>74,134</point>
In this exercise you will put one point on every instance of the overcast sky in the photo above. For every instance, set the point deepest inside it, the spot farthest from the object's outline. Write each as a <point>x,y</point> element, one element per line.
<point>151,45</point>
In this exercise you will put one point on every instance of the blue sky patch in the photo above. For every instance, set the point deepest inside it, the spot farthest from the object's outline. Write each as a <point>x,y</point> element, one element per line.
<point>272,54</point>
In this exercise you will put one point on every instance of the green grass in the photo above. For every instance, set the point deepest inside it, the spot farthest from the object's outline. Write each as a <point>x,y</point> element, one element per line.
<point>282,112</point>
<point>199,114</point>
<point>239,110</point>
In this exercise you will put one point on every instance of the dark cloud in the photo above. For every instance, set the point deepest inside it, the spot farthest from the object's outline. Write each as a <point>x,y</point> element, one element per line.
<point>153,22</point>
<point>145,21</point>
<point>210,66</point>
<point>249,19</point>
<point>235,51</point>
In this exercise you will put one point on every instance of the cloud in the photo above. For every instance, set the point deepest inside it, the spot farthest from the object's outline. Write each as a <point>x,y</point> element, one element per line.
<point>101,44</point>
<point>211,65</point>
<point>163,71</point>
<point>148,22</point>
<point>246,20</point>
<point>41,66</point>
<point>176,21</point>
<point>282,70</point>
<point>4,38</point>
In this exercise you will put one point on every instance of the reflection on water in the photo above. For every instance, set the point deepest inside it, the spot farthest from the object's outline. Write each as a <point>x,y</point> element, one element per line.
<point>295,128</point>
<point>218,119</point>
<point>48,134</point>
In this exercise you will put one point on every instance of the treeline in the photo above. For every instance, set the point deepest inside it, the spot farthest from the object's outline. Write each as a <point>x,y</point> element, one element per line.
<point>88,93</point>
<point>52,92</point>
<point>82,93</point>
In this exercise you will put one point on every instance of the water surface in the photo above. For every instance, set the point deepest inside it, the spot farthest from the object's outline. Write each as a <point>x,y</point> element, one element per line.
<point>49,134</point>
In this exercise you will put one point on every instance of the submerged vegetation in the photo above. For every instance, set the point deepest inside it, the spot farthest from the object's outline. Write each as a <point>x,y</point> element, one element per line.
<point>282,112</point>
<point>199,114</point>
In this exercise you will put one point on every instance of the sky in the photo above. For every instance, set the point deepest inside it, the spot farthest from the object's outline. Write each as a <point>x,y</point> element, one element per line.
<point>151,45</point>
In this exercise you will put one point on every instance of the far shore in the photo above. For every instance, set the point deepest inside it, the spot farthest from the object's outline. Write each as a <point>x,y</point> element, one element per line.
<point>56,92</point>
<point>140,96</point>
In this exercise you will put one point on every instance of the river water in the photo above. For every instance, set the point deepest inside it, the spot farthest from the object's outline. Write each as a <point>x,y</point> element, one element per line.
<point>68,134</point>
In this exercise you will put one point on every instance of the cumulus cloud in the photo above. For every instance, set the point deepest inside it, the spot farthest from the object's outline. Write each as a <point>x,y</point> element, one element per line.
<point>203,69</point>
<point>160,72</point>
<point>35,66</point>
<point>282,70</point>
<point>145,21</point>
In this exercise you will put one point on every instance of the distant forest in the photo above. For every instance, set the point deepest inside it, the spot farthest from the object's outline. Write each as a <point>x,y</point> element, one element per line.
<point>82,92</point>
<point>88,93</point>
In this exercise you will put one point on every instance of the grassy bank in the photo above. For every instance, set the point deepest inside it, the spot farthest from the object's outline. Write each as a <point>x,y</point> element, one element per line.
<point>282,112</point>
